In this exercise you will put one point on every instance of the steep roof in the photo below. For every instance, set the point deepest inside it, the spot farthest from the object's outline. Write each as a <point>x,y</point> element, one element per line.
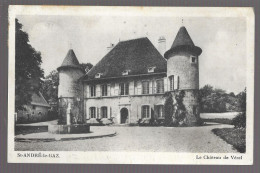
<point>135,55</point>
<point>39,100</point>
<point>184,42</point>
<point>182,38</point>
<point>70,60</point>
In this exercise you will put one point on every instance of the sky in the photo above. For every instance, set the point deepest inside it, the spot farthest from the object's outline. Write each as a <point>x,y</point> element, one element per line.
<point>222,63</point>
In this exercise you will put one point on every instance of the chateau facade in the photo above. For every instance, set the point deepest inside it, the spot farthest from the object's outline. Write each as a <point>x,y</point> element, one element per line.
<point>129,83</point>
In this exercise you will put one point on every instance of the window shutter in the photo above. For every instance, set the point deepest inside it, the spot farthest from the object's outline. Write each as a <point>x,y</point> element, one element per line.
<point>117,89</point>
<point>108,90</point>
<point>142,111</point>
<point>87,113</point>
<point>150,83</point>
<point>154,86</point>
<point>112,89</point>
<point>110,112</point>
<point>165,84</point>
<point>175,82</point>
<point>86,91</point>
<point>98,90</point>
<point>98,114</point>
<point>139,88</point>
<point>156,112</point>
<point>131,88</point>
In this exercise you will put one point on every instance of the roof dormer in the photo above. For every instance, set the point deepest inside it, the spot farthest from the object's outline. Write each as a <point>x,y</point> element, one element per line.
<point>151,69</point>
<point>125,72</point>
<point>98,75</point>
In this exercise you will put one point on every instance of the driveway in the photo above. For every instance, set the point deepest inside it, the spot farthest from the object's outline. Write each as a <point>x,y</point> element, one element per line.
<point>150,139</point>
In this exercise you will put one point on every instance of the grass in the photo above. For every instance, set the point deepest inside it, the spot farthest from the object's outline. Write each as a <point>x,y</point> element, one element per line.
<point>235,137</point>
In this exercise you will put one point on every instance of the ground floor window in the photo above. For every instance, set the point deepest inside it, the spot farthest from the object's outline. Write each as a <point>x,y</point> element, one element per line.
<point>160,111</point>
<point>145,111</point>
<point>104,112</point>
<point>92,112</point>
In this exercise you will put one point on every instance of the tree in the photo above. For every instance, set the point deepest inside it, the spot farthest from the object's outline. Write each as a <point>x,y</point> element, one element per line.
<point>50,86</point>
<point>168,107</point>
<point>242,100</point>
<point>28,72</point>
<point>86,66</point>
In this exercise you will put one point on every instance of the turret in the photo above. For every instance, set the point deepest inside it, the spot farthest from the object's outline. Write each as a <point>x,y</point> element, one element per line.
<point>183,61</point>
<point>69,73</point>
<point>183,73</point>
<point>70,88</point>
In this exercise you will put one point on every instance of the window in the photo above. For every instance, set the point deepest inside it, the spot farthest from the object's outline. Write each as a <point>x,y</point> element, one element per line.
<point>124,88</point>
<point>92,112</point>
<point>193,59</point>
<point>171,78</point>
<point>104,90</point>
<point>151,69</point>
<point>174,82</point>
<point>145,111</point>
<point>160,86</point>
<point>104,112</point>
<point>33,107</point>
<point>125,72</point>
<point>145,86</point>
<point>98,75</point>
<point>93,91</point>
<point>160,111</point>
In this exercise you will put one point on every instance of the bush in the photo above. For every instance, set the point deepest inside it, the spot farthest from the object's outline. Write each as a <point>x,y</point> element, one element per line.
<point>239,121</point>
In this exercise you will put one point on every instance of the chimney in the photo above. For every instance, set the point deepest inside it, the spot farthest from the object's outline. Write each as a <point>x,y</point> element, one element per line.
<point>110,47</point>
<point>162,45</point>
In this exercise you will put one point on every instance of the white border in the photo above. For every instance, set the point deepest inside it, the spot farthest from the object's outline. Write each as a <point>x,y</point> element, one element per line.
<point>133,157</point>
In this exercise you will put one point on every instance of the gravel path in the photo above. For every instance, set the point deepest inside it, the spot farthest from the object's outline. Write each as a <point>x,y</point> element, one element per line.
<point>163,139</point>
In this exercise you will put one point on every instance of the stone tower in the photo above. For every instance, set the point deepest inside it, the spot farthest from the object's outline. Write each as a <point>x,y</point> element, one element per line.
<point>183,72</point>
<point>70,89</point>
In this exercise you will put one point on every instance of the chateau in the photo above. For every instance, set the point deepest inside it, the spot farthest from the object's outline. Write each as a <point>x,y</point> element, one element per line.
<point>130,81</point>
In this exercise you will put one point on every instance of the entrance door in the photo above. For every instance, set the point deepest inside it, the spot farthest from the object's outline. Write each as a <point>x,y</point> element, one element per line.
<point>124,115</point>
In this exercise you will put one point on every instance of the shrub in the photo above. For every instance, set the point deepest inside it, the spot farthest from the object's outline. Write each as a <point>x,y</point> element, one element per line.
<point>239,121</point>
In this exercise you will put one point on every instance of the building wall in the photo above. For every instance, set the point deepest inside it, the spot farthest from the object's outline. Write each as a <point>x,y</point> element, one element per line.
<point>70,92</point>
<point>180,65</point>
<point>68,82</point>
<point>135,100</point>
<point>33,114</point>
<point>115,104</point>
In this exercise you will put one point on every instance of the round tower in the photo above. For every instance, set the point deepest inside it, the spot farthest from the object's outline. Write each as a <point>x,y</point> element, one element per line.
<point>70,88</point>
<point>183,71</point>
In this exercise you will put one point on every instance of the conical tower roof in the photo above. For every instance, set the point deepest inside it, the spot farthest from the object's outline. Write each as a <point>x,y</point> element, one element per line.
<point>182,38</point>
<point>183,42</point>
<point>70,60</point>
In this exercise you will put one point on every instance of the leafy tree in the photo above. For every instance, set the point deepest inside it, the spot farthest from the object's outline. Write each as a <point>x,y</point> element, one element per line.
<point>86,66</point>
<point>28,72</point>
<point>50,86</point>
<point>168,107</point>
<point>242,100</point>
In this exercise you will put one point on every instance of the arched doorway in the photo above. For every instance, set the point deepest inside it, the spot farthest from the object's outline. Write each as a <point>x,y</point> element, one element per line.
<point>123,115</point>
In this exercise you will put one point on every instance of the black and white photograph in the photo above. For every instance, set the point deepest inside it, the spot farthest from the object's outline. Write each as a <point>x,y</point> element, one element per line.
<point>138,85</point>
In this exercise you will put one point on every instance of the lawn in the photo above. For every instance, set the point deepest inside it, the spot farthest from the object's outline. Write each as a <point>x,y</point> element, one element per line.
<point>235,137</point>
